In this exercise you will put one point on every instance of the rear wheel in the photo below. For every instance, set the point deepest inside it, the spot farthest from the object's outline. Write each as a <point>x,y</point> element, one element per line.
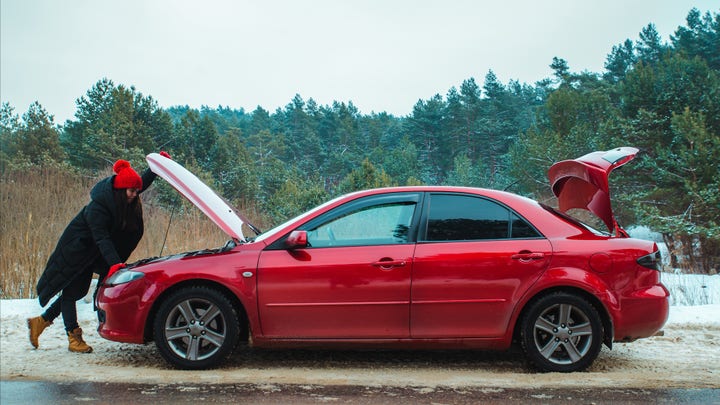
<point>196,328</point>
<point>561,332</point>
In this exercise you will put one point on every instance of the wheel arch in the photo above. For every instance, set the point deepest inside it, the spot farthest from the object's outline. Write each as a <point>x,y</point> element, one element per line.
<point>198,282</point>
<point>608,331</point>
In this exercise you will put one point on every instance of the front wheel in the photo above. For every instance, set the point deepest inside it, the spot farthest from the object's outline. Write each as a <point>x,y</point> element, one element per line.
<point>196,328</point>
<point>561,332</point>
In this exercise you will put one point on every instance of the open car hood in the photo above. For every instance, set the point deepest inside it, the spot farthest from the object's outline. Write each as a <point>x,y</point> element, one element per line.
<point>583,183</point>
<point>198,193</point>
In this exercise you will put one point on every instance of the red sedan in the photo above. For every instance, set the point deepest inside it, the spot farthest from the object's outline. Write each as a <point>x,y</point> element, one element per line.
<point>402,267</point>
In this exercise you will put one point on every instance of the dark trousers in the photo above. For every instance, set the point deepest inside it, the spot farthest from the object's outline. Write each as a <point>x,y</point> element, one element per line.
<point>65,303</point>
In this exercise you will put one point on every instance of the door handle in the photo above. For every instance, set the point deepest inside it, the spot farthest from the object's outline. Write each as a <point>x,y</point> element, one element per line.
<point>528,256</point>
<point>388,263</point>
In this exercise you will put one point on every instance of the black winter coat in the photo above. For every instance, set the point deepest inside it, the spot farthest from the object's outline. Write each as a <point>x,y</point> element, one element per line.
<point>92,240</point>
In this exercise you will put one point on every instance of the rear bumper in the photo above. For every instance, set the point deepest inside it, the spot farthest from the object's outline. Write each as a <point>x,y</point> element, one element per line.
<point>642,314</point>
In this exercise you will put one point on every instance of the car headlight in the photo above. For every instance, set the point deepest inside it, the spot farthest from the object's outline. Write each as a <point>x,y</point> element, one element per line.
<point>122,277</point>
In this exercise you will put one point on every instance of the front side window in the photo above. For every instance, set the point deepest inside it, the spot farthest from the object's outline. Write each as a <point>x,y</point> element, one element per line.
<point>382,224</point>
<point>462,217</point>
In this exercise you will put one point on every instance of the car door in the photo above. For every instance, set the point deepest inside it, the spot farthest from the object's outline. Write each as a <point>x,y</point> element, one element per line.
<point>351,281</point>
<point>474,259</point>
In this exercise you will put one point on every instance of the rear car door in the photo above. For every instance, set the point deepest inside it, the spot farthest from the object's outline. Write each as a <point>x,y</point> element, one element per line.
<point>474,259</point>
<point>353,279</point>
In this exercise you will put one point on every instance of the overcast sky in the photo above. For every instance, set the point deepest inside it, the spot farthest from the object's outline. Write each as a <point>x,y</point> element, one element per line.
<point>383,55</point>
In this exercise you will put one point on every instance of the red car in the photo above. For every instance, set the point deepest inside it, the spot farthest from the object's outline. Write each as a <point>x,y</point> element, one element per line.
<point>403,267</point>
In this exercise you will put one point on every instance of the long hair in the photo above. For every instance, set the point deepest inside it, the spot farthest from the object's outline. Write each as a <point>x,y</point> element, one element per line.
<point>129,215</point>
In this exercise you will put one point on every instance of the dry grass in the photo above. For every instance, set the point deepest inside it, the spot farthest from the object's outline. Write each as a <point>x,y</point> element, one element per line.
<point>38,204</point>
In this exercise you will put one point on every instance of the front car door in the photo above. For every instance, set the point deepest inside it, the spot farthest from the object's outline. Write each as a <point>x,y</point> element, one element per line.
<point>353,278</point>
<point>474,259</point>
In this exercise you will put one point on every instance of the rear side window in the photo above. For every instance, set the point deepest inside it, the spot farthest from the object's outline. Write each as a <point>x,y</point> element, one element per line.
<point>521,229</point>
<point>463,217</point>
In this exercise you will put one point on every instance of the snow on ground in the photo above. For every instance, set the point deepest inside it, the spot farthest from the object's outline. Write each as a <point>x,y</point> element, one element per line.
<point>687,355</point>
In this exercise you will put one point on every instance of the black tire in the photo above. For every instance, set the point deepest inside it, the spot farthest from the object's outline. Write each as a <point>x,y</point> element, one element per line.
<point>196,328</point>
<point>561,332</point>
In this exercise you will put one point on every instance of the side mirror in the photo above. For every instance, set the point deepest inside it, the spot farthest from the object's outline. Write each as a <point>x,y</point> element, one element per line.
<point>296,240</point>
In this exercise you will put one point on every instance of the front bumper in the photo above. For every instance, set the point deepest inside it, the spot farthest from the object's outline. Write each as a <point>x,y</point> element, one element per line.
<point>122,312</point>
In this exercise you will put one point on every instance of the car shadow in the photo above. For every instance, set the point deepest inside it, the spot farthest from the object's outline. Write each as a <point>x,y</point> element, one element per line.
<point>244,357</point>
<point>509,361</point>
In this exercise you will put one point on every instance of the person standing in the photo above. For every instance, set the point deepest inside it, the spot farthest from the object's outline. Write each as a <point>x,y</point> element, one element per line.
<point>98,240</point>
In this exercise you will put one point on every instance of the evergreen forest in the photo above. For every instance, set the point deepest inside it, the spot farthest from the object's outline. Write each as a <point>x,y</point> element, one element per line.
<point>661,96</point>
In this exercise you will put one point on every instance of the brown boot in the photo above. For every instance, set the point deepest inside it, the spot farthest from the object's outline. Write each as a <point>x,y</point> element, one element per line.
<point>36,325</point>
<point>76,342</point>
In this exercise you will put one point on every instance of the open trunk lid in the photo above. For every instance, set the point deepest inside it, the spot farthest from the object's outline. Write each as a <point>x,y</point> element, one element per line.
<point>583,183</point>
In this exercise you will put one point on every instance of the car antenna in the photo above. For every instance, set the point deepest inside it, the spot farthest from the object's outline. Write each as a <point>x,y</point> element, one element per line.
<point>166,231</point>
<point>511,184</point>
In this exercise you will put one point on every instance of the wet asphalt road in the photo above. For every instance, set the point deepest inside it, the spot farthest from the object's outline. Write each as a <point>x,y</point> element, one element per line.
<point>39,392</point>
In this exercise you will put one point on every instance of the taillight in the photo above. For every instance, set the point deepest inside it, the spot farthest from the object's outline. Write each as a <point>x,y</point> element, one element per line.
<point>651,261</point>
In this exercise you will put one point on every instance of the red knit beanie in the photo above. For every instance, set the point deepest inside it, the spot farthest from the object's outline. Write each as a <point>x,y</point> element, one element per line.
<point>125,176</point>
